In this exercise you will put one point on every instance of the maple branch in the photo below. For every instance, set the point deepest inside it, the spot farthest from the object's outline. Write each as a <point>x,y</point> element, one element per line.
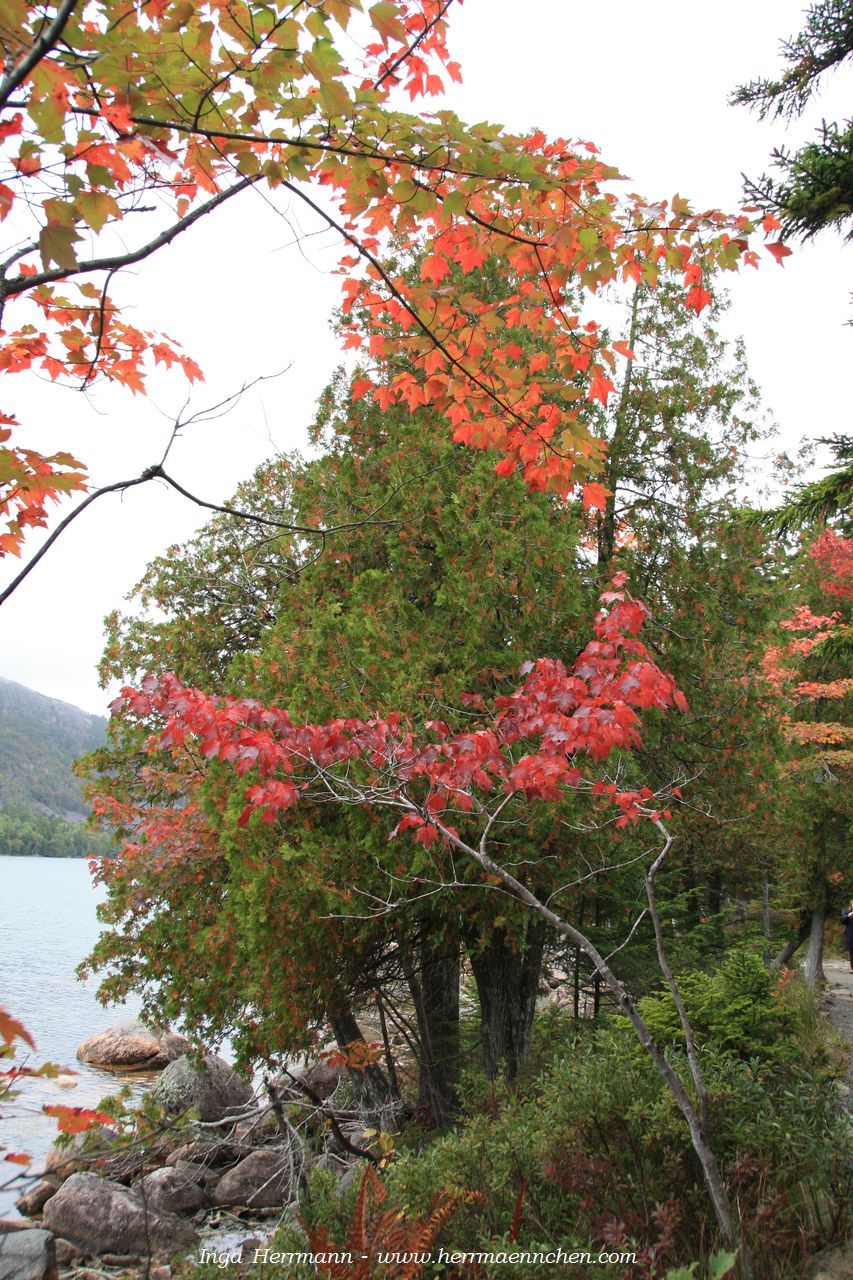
<point>90,372</point>
<point>666,970</point>
<point>395,292</point>
<point>118,487</point>
<point>370,152</point>
<point>42,45</point>
<point>157,472</point>
<point>22,284</point>
<point>407,52</point>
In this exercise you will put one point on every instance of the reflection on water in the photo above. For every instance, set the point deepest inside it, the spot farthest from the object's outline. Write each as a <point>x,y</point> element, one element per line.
<point>47,926</point>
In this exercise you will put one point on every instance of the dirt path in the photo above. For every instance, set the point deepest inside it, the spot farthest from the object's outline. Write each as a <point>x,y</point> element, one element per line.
<point>838,1007</point>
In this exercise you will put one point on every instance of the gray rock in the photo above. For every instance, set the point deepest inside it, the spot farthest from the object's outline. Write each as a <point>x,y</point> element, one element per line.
<point>209,1155</point>
<point>255,1132</point>
<point>261,1181</point>
<point>27,1255</point>
<point>36,1197</point>
<point>172,1190</point>
<point>105,1217</point>
<point>320,1077</point>
<point>132,1046</point>
<point>834,1263</point>
<point>204,1152</point>
<point>216,1090</point>
<point>351,1175</point>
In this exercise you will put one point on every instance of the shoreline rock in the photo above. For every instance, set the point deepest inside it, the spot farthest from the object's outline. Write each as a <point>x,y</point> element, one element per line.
<point>28,1255</point>
<point>131,1046</point>
<point>215,1089</point>
<point>105,1217</point>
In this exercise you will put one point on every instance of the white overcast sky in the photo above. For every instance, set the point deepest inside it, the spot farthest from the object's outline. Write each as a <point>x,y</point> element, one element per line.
<point>647,82</point>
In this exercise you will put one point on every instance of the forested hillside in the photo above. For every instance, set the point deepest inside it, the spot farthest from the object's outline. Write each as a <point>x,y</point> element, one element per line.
<point>41,804</point>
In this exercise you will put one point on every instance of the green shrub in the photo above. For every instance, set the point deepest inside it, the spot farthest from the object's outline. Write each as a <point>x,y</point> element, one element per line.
<point>733,1010</point>
<point>588,1149</point>
<point>605,1158</point>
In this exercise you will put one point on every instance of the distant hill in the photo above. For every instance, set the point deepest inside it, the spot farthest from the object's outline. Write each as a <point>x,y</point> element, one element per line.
<point>41,802</point>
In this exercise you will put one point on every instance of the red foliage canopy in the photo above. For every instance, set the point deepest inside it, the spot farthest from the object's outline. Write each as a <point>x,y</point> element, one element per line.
<point>533,741</point>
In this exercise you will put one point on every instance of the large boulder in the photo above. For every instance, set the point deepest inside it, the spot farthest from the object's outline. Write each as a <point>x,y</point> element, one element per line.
<point>215,1090</point>
<point>27,1255</point>
<point>105,1217</point>
<point>261,1181</point>
<point>172,1190</point>
<point>132,1046</point>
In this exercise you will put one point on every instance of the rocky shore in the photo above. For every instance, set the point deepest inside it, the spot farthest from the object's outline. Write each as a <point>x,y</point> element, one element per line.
<point>111,1200</point>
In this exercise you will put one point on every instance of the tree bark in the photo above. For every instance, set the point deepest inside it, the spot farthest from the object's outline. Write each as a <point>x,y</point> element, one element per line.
<point>615,449</point>
<point>715,893</point>
<point>596,977</point>
<point>576,986</point>
<point>434,990</point>
<point>507,977</point>
<point>813,969</point>
<point>370,1084</point>
<point>789,949</point>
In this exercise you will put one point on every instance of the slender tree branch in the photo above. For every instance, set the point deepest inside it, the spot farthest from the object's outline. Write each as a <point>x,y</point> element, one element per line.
<point>22,284</point>
<point>157,472</point>
<point>329,1115</point>
<point>41,46</point>
<point>666,970</point>
<point>407,52</point>
<point>356,244</point>
<point>118,487</point>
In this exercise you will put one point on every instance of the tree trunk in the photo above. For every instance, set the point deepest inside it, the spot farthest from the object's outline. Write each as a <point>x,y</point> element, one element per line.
<point>596,978</point>
<point>617,446</point>
<point>813,969</point>
<point>715,893</point>
<point>435,996</point>
<point>576,992</point>
<point>782,957</point>
<point>507,980</point>
<point>370,1084</point>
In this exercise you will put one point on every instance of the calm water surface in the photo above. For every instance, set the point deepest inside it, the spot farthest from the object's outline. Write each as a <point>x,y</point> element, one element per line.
<point>47,926</point>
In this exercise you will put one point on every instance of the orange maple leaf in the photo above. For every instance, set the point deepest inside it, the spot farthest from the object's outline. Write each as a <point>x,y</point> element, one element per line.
<point>595,495</point>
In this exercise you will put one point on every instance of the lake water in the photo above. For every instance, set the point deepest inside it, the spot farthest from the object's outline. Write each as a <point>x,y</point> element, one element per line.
<point>47,926</point>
